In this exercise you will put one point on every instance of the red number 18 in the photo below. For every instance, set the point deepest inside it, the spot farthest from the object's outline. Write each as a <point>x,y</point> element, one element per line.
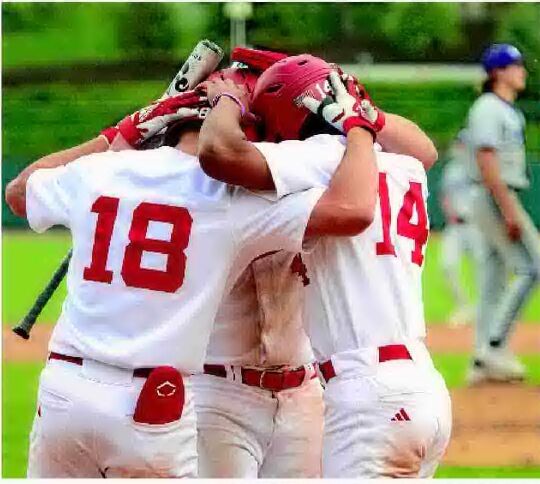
<point>132,273</point>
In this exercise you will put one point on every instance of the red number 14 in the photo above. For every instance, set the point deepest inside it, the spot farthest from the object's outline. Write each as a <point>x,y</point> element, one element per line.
<point>418,232</point>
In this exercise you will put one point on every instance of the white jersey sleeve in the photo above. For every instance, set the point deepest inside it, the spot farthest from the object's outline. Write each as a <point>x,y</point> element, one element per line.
<point>49,195</point>
<point>261,226</point>
<point>301,165</point>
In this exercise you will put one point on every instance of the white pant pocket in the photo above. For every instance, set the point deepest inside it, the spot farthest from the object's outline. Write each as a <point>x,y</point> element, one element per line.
<point>52,400</point>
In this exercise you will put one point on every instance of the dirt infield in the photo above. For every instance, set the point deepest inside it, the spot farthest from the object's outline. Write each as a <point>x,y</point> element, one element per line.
<point>446,339</point>
<point>495,425</point>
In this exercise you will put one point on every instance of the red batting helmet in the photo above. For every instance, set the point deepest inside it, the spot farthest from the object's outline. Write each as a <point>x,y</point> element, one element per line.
<point>248,78</point>
<point>279,88</point>
<point>239,75</point>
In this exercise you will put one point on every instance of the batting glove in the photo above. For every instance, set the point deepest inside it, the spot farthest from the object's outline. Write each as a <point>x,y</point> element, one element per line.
<point>145,123</point>
<point>351,108</point>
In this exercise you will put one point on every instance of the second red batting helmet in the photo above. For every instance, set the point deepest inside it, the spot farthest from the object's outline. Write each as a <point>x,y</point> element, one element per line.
<point>239,75</point>
<point>279,88</point>
<point>245,77</point>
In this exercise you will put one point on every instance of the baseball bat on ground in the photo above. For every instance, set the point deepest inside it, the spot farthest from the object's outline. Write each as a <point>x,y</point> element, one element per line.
<point>204,59</point>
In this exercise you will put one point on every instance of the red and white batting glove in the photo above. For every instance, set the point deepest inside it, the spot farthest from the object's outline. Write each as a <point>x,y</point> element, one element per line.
<point>145,123</point>
<point>351,108</point>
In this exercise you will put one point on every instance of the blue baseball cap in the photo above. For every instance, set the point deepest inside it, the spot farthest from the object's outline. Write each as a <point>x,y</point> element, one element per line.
<point>499,56</point>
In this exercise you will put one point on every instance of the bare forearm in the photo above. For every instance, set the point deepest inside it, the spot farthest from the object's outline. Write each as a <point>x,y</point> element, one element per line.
<point>348,206</point>
<point>489,171</point>
<point>225,153</point>
<point>16,189</point>
<point>402,136</point>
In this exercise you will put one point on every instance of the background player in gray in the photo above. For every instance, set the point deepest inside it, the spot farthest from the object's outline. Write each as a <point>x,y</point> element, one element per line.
<point>510,240</point>
<point>460,237</point>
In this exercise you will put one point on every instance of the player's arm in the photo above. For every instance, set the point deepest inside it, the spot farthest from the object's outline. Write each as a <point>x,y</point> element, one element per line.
<point>484,132</point>
<point>404,137</point>
<point>16,189</point>
<point>488,164</point>
<point>347,207</point>
<point>224,151</point>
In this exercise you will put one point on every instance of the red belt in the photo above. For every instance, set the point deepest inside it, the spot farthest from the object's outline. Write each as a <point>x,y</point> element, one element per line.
<point>273,380</point>
<point>138,372</point>
<point>386,353</point>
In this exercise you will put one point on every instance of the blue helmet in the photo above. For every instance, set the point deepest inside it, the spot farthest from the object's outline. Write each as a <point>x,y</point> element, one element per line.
<point>500,56</point>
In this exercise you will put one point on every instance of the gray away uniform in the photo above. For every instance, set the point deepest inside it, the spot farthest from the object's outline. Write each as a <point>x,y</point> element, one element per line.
<point>460,236</point>
<point>495,123</point>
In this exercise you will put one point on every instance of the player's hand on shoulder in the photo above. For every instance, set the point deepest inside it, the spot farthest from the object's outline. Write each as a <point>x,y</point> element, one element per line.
<point>150,120</point>
<point>350,107</point>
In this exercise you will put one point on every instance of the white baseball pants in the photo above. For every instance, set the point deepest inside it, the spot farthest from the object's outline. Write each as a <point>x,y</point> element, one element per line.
<point>248,432</point>
<point>84,427</point>
<point>390,419</point>
<point>458,240</point>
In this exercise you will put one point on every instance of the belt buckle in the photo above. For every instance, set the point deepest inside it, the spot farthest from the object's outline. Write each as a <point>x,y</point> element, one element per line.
<point>261,381</point>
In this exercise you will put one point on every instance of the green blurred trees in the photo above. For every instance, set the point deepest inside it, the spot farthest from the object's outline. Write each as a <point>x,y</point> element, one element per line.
<point>146,30</point>
<point>294,26</point>
<point>419,29</point>
<point>519,24</point>
<point>402,31</point>
<point>26,17</point>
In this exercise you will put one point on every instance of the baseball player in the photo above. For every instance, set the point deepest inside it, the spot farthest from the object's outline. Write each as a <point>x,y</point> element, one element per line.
<point>259,407</point>
<point>259,356</point>
<point>387,410</point>
<point>509,239</point>
<point>459,237</point>
<point>294,428</point>
<point>155,245</point>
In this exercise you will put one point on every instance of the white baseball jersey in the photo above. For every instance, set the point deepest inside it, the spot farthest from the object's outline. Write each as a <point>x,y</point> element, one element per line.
<point>366,290</point>
<point>154,240</point>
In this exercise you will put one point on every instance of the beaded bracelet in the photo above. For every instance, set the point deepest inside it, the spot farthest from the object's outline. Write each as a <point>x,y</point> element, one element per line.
<point>230,96</point>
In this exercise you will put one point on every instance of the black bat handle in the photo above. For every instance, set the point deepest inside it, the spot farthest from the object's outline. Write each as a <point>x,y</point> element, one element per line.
<point>26,324</point>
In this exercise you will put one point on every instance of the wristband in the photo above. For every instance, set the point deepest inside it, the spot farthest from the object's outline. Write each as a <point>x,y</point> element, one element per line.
<point>358,122</point>
<point>230,96</point>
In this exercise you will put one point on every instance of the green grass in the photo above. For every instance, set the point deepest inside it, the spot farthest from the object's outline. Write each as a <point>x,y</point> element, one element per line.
<point>19,387</point>
<point>453,368</point>
<point>30,259</point>
<point>486,472</point>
